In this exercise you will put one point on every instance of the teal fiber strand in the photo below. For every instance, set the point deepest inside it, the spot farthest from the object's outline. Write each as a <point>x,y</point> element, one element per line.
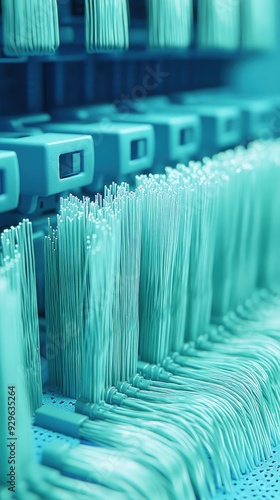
<point>170,23</point>
<point>30,27</point>
<point>107,25</point>
<point>187,247</point>
<point>19,241</point>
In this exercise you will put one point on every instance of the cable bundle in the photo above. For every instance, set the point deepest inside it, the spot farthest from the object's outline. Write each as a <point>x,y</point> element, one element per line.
<point>258,24</point>
<point>107,25</point>
<point>19,241</point>
<point>45,482</point>
<point>269,244</point>
<point>203,185</point>
<point>152,450</point>
<point>161,446</point>
<point>30,27</point>
<point>235,175</point>
<point>110,468</point>
<point>247,240</point>
<point>219,23</point>
<point>189,232</point>
<point>77,252</point>
<point>213,394</point>
<point>125,350</point>
<point>170,23</point>
<point>15,422</point>
<point>185,196</point>
<point>237,248</point>
<point>259,314</point>
<point>92,306</point>
<point>160,216</point>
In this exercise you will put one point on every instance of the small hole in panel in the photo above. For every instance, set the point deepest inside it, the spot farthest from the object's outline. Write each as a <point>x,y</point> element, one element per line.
<point>186,136</point>
<point>138,149</point>
<point>2,182</point>
<point>229,125</point>
<point>70,164</point>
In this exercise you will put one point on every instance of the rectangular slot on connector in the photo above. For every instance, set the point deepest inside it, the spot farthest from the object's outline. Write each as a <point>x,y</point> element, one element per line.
<point>229,125</point>
<point>264,118</point>
<point>70,164</point>
<point>2,182</point>
<point>186,136</point>
<point>138,149</point>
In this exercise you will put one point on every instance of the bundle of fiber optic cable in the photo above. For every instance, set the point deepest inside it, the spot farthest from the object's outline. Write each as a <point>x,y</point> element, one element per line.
<point>258,24</point>
<point>15,431</point>
<point>81,214</point>
<point>218,23</point>
<point>117,200</point>
<point>230,24</point>
<point>176,364</point>
<point>102,274</point>
<point>17,242</point>
<point>104,471</point>
<point>87,472</point>
<point>170,23</point>
<point>107,25</point>
<point>217,397</point>
<point>30,27</point>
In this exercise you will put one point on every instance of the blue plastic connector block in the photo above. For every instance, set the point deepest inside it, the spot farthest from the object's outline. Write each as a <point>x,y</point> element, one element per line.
<point>120,149</point>
<point>154,103</point>
<point>25,124</point>
<point>256,116</point>
<point>256,111</point>
<point>58,420</point>
<point>50,164</point>
<point>221,125</point>
<point>9,181</point>
<point>83,113</point>
<point>177,135</point>
<point>190,136</point>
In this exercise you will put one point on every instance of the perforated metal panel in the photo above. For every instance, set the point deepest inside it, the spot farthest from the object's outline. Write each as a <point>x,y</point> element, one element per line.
<point>262,483</point>
<point>43,437</point>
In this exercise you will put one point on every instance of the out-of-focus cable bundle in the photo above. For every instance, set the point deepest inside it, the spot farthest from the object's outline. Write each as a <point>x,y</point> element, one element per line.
<point>15,423</point>
<point>219,23</point>
<point>247,243</point>
<point>258,24</point>
<point>230,24</point>
<point>107,25</point>
<point>18,242</point>
<point>98,473</point>
<point>30,27</point>
<point>170,23</point>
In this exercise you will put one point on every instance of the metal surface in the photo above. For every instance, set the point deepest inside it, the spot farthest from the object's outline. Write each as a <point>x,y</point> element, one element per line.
<point>262,483</point>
